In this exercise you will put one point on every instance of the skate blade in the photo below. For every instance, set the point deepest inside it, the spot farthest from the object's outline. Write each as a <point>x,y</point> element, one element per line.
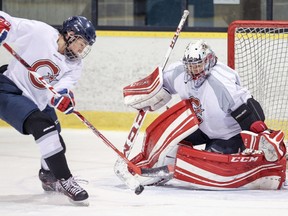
<point>79,203</point>
<point>76,203</point>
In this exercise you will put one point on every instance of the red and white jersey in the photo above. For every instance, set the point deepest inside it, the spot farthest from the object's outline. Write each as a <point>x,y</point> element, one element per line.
<point>36,43</point>
<point>213,99</point>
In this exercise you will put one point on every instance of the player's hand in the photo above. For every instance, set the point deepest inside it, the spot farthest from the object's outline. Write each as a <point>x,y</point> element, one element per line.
<point>258,127</point>
<point>65,103</point>
<point>4,28</point>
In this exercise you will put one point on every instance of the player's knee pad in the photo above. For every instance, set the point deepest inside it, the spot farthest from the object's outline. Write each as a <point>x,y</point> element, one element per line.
<point>42,127</point>
<point>3,68</point>
<point>38,124</point>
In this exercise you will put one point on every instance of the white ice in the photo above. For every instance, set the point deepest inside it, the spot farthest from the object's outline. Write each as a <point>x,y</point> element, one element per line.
<point>89,158</point>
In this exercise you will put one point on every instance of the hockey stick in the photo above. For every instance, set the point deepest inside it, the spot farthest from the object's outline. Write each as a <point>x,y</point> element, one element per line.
<point>142,113</point>
<point>139,171</point>
<point>134,131</point>
<point>123,174</point>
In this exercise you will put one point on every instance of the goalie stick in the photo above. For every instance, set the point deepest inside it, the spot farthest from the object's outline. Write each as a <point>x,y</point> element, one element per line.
<point>134,131</point>
<point>142,113</point>
<point>139,171</point>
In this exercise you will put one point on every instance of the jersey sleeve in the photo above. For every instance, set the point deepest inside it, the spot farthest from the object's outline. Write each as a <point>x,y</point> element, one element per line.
<point>169,76</point>
<point>234,94</point>
<point>14,32</point>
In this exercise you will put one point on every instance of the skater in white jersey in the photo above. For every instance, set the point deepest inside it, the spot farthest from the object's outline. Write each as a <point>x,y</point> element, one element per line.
<point>28,106</point>
<point>216,110</point>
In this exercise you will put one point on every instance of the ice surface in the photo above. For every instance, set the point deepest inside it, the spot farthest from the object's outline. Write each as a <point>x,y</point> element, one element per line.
<point>89,158</point>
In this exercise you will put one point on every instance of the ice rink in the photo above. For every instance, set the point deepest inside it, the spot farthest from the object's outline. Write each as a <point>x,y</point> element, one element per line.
<point>89,158</point>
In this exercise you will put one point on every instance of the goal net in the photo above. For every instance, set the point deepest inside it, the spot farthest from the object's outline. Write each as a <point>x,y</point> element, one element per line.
<point>258,50</point>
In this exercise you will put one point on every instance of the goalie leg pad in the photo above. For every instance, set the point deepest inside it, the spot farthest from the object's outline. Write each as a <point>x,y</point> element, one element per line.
<point>162,138</point>
<point>213,171</point>
<point>167,131</point>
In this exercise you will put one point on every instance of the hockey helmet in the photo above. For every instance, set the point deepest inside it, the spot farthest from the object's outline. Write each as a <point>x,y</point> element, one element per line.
<point>199,59</point>
<point>81,27</point>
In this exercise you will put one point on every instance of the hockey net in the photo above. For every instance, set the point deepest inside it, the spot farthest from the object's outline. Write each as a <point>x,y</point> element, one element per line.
<point>258,50</point>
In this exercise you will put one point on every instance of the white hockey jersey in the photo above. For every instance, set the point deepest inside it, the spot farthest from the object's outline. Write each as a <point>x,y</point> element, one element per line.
<point>213,100</point>
<point>36,43</point>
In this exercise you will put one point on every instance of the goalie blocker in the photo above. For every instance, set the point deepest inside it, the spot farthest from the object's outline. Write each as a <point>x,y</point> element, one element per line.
<point>255,168</point>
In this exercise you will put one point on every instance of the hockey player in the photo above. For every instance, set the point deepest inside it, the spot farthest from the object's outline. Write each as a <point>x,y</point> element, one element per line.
<point>26,105</point>
<point>216,111</point>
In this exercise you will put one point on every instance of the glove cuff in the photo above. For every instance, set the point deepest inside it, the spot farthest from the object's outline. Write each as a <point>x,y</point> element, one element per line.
<point>258,127</point>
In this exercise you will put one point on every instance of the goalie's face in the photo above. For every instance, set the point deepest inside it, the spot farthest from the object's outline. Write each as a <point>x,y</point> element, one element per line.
<point>195,68</point>
<point>76,47</point>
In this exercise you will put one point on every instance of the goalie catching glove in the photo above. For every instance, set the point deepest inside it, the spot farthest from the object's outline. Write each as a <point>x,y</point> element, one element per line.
<point>4,28</point>
<point>65,103</point>
<point>147,93</point>
<point>270,142</point>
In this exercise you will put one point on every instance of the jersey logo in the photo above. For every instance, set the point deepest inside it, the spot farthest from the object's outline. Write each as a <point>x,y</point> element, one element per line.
<point>196,104</point>
<point>51,70</point>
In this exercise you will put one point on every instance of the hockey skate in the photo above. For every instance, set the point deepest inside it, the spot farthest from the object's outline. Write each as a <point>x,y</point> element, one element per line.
<point>67,187</point>
<point>71,189</point>
<point>48,180</point>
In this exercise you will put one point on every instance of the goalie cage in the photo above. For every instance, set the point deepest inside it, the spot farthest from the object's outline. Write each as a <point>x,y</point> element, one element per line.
<point>258,50</point>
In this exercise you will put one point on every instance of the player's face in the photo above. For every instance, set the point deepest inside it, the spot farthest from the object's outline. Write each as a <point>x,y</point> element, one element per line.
<point>77,47</point>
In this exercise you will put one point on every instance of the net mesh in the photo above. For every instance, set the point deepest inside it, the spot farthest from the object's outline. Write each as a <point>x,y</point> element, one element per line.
<point>261,58</point>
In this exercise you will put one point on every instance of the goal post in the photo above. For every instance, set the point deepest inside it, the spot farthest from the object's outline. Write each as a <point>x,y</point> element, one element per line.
<point>258,50</point>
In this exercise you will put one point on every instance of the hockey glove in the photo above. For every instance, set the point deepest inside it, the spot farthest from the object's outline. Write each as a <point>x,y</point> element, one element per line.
<point>4,28</point>
<point>65,103</point>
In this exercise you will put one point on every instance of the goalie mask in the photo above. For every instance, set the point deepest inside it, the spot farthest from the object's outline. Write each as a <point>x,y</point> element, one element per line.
<point>79,35</point>
<point>199,59</point>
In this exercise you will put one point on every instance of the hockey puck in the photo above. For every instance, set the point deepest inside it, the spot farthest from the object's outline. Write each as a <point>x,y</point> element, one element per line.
<point>139,189</point>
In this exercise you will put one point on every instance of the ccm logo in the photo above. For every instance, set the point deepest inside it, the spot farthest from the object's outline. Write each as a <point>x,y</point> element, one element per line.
<point>140,83</point>
<point>244,159</point>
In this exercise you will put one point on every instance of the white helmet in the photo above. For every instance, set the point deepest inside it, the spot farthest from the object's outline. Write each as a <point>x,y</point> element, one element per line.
<point>199,59</point>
